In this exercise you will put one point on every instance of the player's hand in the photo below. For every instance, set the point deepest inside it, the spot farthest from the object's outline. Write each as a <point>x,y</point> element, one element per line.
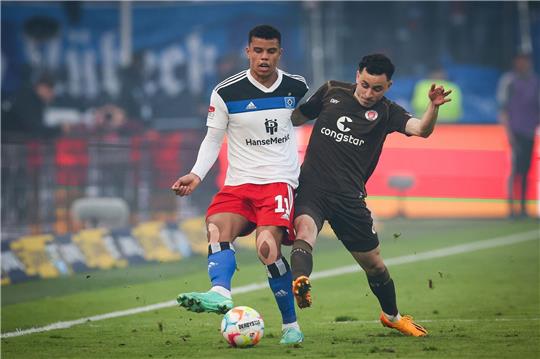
<point>438,96</point>
<point>185,185</point>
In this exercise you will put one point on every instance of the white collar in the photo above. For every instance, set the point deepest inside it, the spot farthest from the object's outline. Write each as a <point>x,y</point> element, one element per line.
<point>263,88</point>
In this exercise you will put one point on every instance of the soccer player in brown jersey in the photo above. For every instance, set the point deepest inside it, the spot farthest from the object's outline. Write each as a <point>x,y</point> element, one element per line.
<point>353,121</point>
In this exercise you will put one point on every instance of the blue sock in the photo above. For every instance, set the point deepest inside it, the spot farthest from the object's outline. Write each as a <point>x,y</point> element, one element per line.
<point>221,264</point>
<point>280,280</point>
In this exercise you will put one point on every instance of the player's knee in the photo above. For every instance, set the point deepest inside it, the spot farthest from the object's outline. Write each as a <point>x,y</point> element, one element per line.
<point>212,233</point>
<point>263,251</point>
<point>306,230</point>
<point>267,248</point>
<point>371,262</point>
<point>377,270</point>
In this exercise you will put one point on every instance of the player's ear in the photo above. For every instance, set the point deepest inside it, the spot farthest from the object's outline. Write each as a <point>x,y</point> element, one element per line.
<point>357,76</point>
<point>390,83</point>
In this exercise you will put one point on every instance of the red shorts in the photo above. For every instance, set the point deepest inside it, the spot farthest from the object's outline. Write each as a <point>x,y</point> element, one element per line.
<point>262,204</point>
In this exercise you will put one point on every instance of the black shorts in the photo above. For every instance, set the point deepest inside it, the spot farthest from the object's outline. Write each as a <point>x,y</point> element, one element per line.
<point>349,217</point>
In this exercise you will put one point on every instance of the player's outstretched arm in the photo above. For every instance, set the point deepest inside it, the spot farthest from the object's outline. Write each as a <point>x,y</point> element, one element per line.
<point>424,127</point>
<point>208,153</point>
<point>298,118</point>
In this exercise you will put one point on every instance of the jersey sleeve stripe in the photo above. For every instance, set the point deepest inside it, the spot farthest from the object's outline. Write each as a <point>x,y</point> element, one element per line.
<point>296,77</point>
<point>231,80</point>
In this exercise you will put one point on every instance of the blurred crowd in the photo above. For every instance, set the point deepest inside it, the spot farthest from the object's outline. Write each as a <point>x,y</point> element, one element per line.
<point>63,79</point>
<point>63,76</point>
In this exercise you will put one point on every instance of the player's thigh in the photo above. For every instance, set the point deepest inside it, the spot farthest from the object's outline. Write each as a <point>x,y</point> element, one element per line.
<point>353,225</point>
<point>229,215</point>
<point>225,227</point>
<point>272,203</point>
<point>310,208</point>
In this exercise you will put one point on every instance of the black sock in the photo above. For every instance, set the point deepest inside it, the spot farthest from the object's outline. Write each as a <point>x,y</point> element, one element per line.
<point>383,287</point>
<point>301,259</point>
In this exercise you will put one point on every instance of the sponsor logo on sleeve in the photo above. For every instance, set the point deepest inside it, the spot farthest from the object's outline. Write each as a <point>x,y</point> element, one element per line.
<point>211,111</point>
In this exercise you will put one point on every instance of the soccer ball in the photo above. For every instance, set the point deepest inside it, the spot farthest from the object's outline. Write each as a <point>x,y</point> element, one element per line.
<point>242,327</point>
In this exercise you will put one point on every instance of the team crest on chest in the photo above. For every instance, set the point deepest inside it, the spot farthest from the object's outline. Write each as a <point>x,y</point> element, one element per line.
<point>371,115</point>
<point>290,102</point>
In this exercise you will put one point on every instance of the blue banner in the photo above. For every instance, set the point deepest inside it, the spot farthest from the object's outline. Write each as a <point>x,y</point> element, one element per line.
<point>181,50</point>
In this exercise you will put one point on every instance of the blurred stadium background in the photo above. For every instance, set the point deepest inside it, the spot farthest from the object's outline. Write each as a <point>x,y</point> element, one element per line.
<point>88,185</point>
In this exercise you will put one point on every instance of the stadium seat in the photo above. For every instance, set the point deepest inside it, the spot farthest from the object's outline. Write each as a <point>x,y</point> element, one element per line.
<point>108,212</point>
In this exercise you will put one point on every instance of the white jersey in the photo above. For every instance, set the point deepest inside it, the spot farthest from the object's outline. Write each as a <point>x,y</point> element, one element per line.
<point>261,139</point>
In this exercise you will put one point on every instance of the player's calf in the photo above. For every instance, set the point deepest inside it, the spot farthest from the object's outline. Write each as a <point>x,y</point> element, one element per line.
<point>301,259</point>
<point>302,266</point>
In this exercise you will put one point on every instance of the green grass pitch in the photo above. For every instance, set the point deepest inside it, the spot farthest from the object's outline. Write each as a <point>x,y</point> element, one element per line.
<point>478,304</point>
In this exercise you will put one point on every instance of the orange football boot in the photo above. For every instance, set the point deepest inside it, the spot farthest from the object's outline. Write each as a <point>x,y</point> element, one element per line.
<point>406,325</point>
<point>302,291</point>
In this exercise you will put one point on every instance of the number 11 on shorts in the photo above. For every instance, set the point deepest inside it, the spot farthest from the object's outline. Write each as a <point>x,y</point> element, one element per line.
<point>280,201</point>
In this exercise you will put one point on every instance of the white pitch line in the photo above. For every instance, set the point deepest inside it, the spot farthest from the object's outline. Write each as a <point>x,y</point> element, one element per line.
<point>437,253</point>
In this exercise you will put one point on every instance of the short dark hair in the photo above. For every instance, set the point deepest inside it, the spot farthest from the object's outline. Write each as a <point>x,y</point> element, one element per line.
<point>377,64</point>
<point>266,32</point>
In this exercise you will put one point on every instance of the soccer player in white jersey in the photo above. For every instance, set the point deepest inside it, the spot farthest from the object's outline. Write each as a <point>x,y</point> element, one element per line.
<point>253,108</point>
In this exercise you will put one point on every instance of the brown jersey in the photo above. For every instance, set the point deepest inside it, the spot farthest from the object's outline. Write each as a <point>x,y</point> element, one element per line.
<point>347,138</point>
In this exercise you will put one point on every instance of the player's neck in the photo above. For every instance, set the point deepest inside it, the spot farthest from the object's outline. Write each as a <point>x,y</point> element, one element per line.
<point>357,97</point>
<point>266,81</point>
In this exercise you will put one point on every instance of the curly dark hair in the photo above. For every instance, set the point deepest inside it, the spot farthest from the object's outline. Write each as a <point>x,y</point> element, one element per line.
<point>377,64</point>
